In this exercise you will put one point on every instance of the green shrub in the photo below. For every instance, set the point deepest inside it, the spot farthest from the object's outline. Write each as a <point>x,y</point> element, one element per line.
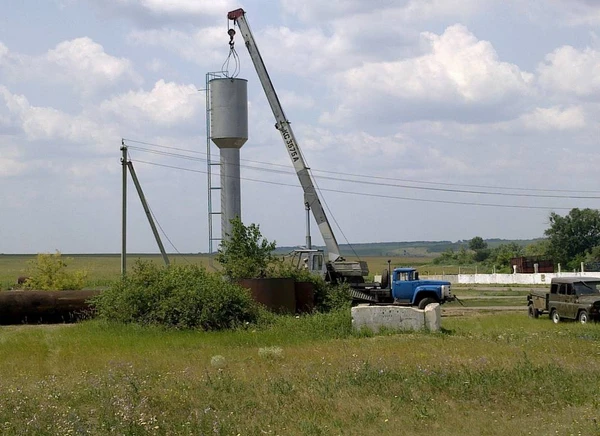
<point>177,296</point>
<point>335,297</point>
<point>47,272</point>
<point>245,254</point>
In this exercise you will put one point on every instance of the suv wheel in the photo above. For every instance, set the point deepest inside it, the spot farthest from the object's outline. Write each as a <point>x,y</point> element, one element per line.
<point>583,317</point>
<point>555,316</point>
<point>533,312</point>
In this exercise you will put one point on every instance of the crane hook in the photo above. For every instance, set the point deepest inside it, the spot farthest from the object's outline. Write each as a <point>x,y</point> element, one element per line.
<point>231,33</point>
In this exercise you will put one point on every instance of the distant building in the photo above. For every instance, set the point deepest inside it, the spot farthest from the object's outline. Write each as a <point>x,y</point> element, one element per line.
<point>527,264</point>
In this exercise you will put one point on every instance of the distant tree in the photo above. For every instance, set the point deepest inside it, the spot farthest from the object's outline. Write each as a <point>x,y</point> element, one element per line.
<point>448,257</point>
<point>539,248</point>
<point>503,253</point>
<point>464,256</point>
<point>477,243</point>
<point>593,255</point>
<point>572,236</point>
<point>245,254</point>
<point>482,255</point>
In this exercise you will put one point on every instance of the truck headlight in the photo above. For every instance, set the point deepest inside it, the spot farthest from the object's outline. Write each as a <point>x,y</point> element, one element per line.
<point>445,291</point>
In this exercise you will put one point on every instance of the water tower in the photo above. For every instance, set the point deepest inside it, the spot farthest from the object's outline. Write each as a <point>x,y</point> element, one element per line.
<point>229,132</point>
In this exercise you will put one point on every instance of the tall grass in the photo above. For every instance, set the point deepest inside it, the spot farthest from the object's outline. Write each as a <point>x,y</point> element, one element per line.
<point>485,375</point>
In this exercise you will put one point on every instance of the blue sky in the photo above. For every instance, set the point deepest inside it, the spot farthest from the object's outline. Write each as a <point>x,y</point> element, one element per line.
<point>496,97</point>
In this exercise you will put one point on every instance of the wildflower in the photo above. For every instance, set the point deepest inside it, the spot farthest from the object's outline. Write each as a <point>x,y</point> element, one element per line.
<point>218,361</point>
<point>270,352</point>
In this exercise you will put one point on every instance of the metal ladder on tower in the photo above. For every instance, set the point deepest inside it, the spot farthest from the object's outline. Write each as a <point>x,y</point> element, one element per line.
<point>210,165</point>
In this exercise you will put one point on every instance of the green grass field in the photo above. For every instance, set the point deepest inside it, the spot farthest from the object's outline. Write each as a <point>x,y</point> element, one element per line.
<point>488,373</point>
<point>493,374</point>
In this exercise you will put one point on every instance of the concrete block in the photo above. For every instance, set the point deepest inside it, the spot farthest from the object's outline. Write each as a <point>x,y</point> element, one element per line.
<point>375,318</point>
<point>433,317</point>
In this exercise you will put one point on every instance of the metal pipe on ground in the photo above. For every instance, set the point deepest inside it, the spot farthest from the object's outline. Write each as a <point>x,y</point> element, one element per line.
<point>44,307</point>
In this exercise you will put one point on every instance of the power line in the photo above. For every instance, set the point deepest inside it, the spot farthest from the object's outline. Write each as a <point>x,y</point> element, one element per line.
<point>166,236</point>
<point>393,185</point>
<point>425,182</point>
<point>365,194</point>
<point>164,146</point>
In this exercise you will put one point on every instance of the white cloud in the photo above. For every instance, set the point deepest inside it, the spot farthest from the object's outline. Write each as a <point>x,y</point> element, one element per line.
<point>180,7</point>
<point>167,104</point>
<point>457,74</point>
<point>47,123</point>
<point>356,146</point>
<point>79,63</point>
<point>572,71</point>
<point>554,118</point>
<point>88,64</point>
<point>458,66</point>
<point>318,10</point>
<point>155,65</point>
<point>291,99</point>
<point>306,52</point>
<point>580,12</point>
<point>11,162</point>
<point>207,45</point>
<point>310,10</point>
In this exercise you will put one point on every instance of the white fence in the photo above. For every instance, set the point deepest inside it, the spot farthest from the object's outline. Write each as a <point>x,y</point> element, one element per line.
<point>508,279</point>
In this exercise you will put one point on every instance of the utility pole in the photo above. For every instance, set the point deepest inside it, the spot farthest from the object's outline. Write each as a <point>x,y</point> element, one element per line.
<point>124,211</point>
<point>136,182</point>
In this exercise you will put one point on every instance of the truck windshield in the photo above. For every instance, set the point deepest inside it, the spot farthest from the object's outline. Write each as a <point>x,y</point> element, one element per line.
<point>583,288</point>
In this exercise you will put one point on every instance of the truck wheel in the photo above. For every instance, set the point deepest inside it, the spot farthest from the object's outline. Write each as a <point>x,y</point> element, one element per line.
<point>583,317</point>
<point>554,316</point>
<point>425,301</point>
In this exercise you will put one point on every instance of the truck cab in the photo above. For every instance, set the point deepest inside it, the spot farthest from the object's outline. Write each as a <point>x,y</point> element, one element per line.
<point>315,261</point>
<point>408,289</point>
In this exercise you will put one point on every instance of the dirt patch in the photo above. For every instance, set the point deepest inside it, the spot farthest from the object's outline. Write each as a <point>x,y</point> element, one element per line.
<point>475,311</point>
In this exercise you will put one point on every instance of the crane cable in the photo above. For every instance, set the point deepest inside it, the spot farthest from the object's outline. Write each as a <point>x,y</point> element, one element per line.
<point>232,56</point>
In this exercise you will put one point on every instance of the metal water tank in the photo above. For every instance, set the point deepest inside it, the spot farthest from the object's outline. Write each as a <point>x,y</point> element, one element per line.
<point>229,112</point>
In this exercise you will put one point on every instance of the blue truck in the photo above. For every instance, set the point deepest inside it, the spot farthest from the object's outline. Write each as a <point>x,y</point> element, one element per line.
<point>403,286</point>
<point>407,288</point>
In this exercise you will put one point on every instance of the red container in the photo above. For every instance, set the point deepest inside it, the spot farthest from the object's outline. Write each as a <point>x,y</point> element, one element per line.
<point>277,295</point>
<point>305,297</point>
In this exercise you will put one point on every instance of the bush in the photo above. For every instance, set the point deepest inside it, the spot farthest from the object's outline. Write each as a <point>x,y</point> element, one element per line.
<point>47,273</point>
<point>335,297</point>
<point>177,296</point>
<point>245,254</point>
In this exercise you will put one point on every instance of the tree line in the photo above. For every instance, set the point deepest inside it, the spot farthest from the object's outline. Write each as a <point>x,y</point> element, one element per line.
<point>569,240</point>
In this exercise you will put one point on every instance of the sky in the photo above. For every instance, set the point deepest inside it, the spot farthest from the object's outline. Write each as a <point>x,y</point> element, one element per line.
<point>421,120</point>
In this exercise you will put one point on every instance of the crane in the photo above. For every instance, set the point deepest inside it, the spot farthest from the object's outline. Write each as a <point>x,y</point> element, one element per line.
<point>336,268</point>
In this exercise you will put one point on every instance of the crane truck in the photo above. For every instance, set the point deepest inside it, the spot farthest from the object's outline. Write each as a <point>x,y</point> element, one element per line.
<point>400,286</point>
